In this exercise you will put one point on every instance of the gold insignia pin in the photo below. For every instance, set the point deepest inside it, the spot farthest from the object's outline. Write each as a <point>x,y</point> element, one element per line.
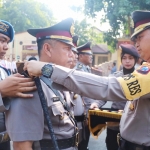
<point>131,23</point>
<point>75,96</point>
<point>61,116</point>
<point>131,107</point>
<point>72,29</point>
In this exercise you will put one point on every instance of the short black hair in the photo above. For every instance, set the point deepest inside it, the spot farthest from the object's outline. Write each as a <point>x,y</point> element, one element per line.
<point>40,44</point>
<point>114,63</point>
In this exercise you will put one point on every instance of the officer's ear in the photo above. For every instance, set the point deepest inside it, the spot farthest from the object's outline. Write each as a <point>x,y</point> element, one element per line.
<point>47,49</point>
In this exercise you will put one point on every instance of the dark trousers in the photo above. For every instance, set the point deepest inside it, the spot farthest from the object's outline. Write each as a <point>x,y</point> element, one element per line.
<point>5,146</point>
<point>111,139</point>
<point>84,143</point>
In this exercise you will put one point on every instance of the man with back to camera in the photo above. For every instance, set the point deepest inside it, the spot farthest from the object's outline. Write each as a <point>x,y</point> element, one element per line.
<point>135,122</point>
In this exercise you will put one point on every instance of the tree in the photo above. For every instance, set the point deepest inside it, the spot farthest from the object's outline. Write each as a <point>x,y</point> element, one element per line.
<point>86,32</point>
<point>118,13</point>
<point>25,14</point>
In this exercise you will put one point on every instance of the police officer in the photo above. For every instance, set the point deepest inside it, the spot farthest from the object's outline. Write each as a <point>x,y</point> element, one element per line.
<point>85,58</point>
<point>14,85</point>
<point>129,57</point>
<point>79,107</point>
<point>9,86</point>
<point>135,122</point>
<point>54,45</point>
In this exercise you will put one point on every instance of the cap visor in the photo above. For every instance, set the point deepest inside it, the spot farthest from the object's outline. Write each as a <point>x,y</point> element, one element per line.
<point>65,41</point>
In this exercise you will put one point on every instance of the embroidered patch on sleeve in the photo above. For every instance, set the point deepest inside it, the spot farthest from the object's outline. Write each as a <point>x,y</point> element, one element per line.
<point>136,84</point>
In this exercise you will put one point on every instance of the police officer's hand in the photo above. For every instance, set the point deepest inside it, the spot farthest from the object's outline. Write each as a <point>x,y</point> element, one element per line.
<point>94,106</point>
<point>34,67</point>
<point>15,85</point>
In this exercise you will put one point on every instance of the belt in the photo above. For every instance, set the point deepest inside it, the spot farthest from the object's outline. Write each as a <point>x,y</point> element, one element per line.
<point>62,144</point>
<point>126,145</point>
<point>80,118</point>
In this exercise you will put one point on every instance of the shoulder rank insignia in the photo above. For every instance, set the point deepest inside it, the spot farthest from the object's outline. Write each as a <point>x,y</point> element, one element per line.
<point>143,69</point>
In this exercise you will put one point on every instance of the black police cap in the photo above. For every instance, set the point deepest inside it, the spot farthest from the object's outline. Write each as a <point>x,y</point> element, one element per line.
<point>85,49</point>
<point>141,20</point>
<point>61,31</point>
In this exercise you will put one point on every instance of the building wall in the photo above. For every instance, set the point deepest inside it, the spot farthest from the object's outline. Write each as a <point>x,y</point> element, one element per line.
<point>101,58</point>
<point>21,41</point>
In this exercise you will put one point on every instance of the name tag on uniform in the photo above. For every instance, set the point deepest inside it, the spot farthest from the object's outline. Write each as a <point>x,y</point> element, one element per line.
<point>55,99</point>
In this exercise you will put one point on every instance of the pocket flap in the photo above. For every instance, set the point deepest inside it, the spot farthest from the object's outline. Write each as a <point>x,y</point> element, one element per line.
<point>58,109</point>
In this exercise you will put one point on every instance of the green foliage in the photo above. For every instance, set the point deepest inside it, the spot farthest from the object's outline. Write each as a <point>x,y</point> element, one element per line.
<point>81,29</point>
<point>85,30</point>
<point>118,13</point>
<point>25,14</point>
<point>86,33</point>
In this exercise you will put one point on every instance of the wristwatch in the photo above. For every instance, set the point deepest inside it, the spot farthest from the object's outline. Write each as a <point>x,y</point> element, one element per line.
<point>47,70</point>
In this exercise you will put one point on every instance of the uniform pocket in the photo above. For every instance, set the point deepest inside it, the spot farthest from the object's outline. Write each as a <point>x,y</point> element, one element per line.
<point>62,120</point>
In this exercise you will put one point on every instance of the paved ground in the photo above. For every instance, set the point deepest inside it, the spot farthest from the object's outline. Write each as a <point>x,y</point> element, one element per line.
<point>98,144</point>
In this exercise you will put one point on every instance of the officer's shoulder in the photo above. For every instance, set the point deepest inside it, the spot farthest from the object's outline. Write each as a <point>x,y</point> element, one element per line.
<point>117,74</point>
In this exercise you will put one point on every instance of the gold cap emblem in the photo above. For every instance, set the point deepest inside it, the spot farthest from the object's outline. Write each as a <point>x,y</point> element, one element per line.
<point>131,23</point>
<point>72,29</point>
